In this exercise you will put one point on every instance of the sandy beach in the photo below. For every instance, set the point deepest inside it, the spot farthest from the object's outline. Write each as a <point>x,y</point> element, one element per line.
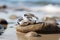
<point>42,37</point>
<point>9,34</point>
<point>17,8</point>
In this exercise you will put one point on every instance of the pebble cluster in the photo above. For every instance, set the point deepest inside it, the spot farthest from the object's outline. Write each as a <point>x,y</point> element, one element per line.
<point>49,24</point>
<point>27,19</point>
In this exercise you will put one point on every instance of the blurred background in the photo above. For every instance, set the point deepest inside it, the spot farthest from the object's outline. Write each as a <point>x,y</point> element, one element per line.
<point>29,2</point>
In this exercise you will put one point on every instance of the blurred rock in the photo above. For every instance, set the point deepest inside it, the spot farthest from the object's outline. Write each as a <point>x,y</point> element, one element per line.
<point>28,19</point>
<point>50,28</point>
<point>32,19</point>
<point>28,28</point>
<point>3,7</point>
<point>50,20</point>
<point>31,34</point>
<point>13,17</point>
<point>49,25</point>
<point>4,23</point>
<point>21,21</point>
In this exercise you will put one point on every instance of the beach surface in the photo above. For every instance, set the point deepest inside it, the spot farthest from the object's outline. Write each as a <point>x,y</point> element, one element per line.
<point>9,34</point>
<point>49,8</point>
<point>21,36</point>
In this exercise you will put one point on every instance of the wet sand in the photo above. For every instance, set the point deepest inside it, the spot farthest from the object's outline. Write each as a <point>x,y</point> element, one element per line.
<point>42,37</point>
<point>9,34</point>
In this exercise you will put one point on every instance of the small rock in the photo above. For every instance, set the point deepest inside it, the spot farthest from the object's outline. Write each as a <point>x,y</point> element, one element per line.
<point>50,20</point>
<point>31,17</point>
<point>4,23</point>
<point>0,33</point>
<point>31,34</point>
<point>28,28</point>
<point>13,17</point>
<point>3,7</point>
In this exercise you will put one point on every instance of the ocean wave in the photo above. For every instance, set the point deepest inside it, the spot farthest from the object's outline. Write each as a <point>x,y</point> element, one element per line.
<point>47,8</point>
<point>30,2</point>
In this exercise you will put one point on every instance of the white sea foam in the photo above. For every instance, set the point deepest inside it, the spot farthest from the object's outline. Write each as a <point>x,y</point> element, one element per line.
<point>47,8</point>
